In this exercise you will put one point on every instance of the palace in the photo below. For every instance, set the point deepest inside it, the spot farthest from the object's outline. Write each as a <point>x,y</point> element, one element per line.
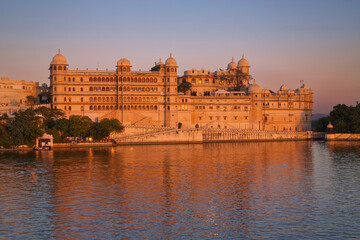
<point>14,93</point>
<point>220,99</point>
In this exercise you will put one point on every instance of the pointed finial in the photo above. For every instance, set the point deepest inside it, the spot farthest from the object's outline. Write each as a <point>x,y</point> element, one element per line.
<point>59,50</point>
<point>170,54</point>
<point>232,59</point>
<point>159,59</point>
<point>243,56</point>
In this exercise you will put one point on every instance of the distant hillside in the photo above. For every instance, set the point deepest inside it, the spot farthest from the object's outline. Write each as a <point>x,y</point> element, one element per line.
<point>316,116</point>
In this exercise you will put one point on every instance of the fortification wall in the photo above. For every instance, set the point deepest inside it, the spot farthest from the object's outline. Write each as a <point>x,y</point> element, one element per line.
<point>342,137</point>
<point>143,135</point>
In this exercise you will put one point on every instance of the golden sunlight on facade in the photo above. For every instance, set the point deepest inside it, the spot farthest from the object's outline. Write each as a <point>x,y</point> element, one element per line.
<point>220,99</point>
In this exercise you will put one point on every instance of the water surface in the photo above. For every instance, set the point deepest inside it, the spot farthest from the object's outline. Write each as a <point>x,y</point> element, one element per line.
<point>270,190</point>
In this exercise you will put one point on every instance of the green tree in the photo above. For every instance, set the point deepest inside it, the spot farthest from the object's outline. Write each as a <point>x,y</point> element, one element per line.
<point>344,119</point>
<point>50,116</point>
<point>105,127</point>
<point>184,87</point>
<point>31,100</point>
<point>79,126</point>
<point>25,127</point>
<point>63,126</point>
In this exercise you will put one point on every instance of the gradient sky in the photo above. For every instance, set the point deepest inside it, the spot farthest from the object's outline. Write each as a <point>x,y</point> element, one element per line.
<point>284,41</point>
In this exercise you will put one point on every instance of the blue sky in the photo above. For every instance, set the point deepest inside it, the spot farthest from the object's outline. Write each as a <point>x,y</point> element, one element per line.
<point>284,41</point>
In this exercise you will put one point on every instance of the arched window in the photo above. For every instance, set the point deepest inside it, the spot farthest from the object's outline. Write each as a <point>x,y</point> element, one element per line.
<point>155,80</point>
<point>103,108</point>
<point>59,68</point>
<point>81,79</point>
<point>90,79</point>
<point>107,108</point>
<point>155,107</point>
<point>91,89</point>
<point>55,99</point>
<point>73,79</point>
<point>103,89</point>
<point>103,79</point>
<point>69,79</point>
<point>107,99</point>
<point>111,79</point>
<point>147,79</point>
<point>64,99</point>
<point>107,89</point>
<point>81,89</point>
<point>91,99</point>
<point>73,89</point>
<point>91,107</point>
<point>107,79</point>
<point>54,67</point>
<point>95,107</point>
<point>69,89</point>
<point>168,70</point>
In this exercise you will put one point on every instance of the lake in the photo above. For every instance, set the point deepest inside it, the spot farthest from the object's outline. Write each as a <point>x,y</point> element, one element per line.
<point>257,190</point>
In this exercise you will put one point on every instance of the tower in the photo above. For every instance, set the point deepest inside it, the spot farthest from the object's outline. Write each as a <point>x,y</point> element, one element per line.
<point>170,93</point>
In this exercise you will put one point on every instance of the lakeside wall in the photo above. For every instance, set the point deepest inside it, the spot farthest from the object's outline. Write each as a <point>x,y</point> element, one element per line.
<point>144,135</point>
<point>342,137</point>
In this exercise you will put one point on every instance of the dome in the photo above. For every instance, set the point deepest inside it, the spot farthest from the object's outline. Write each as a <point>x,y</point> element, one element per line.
<point>282,88</point>
<point>171,62</point>
<point>243,62</point>
<point>265,90</point>
<point>123,62</point>
<point>58,59</point>
<point>254,88</point>
<point>290,91</point>
<point>232,64</point>
<point>329,125</point>
<point>160,62</point>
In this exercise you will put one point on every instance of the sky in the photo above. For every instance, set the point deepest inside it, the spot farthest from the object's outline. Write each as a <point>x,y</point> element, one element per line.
<point>285,42</point>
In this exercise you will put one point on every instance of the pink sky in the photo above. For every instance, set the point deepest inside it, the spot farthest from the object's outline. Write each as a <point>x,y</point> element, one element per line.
<point>285,42</point>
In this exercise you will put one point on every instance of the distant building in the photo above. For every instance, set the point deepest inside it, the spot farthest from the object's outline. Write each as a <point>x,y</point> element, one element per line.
<point>220,99</point>
<point>13,94</point>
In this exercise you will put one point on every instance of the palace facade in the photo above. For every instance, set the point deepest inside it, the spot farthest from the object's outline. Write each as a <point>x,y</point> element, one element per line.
<point>14,93</point>
<point>220,99</point>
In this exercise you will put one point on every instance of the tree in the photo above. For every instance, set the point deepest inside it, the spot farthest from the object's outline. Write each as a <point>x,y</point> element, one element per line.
<point>344,119</point>
<point>50,116</point>
<point>79,126</point>
<point>30,101</point>
<point>105,127</point>
<point>184,87</point>
<point>25,127</point>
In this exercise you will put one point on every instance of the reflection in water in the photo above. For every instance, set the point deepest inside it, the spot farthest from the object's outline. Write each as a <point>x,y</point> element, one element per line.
<point>233,190</point>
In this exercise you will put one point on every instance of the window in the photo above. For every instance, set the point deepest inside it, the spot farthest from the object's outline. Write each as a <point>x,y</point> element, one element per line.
<point>69,108</point>
<point>73,89</point>
<point>69,99</point>
<point>81,89</point>
<point>82,99</point>
<point>81,79</point>
<point>64,99</point>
